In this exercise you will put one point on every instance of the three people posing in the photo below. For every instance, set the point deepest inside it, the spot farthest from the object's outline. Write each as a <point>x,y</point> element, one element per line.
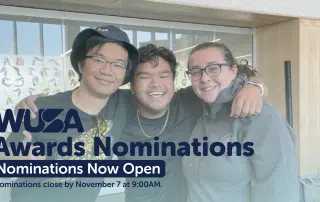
<point>104,60</point>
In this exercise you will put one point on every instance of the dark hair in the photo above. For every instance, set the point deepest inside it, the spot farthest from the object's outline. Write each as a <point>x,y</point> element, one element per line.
<point>228,57</point>
<point>151,53</point>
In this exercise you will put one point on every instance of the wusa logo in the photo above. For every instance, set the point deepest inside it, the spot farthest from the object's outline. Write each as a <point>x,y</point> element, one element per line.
<point>47,121</point>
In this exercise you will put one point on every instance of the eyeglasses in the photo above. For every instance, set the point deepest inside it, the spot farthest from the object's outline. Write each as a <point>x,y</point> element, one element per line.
<point>102,62</point>
<point>213,70</point>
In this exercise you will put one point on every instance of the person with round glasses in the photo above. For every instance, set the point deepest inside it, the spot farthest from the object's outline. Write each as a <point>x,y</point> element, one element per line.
<point>266,171</point>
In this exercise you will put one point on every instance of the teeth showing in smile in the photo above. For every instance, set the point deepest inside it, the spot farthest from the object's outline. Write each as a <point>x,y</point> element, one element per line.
<point>207,89</point>
<point>155,94</point>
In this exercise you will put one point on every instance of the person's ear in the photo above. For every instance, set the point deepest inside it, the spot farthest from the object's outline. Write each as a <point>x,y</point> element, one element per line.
<point>80,66</point>
<point>234,70</point>
<point>131,88</point>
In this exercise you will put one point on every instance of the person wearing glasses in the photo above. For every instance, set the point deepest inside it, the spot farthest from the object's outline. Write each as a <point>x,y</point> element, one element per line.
<point>266,171</point>
<point>159,112</point>
<point>104,59</point>
<point>156,110</point>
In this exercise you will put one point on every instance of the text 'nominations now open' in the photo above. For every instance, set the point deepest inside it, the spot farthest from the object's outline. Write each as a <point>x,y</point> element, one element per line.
<point>83,168</point>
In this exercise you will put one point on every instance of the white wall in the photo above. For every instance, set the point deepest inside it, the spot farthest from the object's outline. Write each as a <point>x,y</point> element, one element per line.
<point>294,8</point>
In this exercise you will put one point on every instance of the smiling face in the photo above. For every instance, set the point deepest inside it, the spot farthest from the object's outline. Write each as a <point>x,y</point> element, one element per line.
<point>98,75</point>
<point>218,75</point>
<point>153,86</point>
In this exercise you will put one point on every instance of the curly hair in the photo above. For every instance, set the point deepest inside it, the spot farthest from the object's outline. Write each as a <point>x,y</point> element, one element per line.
<point>151,53</point>
<point>247,69</point>
<point>228,57</point>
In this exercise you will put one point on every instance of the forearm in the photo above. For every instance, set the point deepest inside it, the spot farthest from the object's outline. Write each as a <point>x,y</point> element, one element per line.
<point>258,82</point>
<point>252,75</point>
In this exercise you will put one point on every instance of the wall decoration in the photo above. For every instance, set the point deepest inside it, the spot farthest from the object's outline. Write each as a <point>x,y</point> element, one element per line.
<point>182,80</point>
<point>22,76</point>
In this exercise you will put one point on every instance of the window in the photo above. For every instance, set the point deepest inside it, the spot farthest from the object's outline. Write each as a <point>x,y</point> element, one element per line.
<point>28,38</point>
<point>83,28</point>
<point>204,37</point>
<point>130,35</point>
<point>162,39</point>
<point>7,37</point>
<point>143,38</point>
<point>239,44</point>
<point>52,39</point>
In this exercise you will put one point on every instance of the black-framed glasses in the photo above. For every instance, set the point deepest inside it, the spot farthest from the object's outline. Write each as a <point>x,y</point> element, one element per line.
<point>101,61</point>
<point>212,70</point>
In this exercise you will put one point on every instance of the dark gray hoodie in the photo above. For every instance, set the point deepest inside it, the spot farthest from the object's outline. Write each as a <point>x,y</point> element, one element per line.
<point>269,175</point>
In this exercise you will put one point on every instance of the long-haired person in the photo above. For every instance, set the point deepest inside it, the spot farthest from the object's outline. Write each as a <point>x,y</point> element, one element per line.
<point>261,166</point>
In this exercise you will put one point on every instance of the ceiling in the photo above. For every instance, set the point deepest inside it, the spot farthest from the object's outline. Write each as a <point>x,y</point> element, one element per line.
<point>154,10</point>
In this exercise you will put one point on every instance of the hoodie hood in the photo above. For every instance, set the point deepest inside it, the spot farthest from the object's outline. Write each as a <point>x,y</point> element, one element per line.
<point>225,96</point>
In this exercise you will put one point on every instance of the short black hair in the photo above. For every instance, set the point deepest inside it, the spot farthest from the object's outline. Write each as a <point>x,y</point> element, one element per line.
<point>151,53</point>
